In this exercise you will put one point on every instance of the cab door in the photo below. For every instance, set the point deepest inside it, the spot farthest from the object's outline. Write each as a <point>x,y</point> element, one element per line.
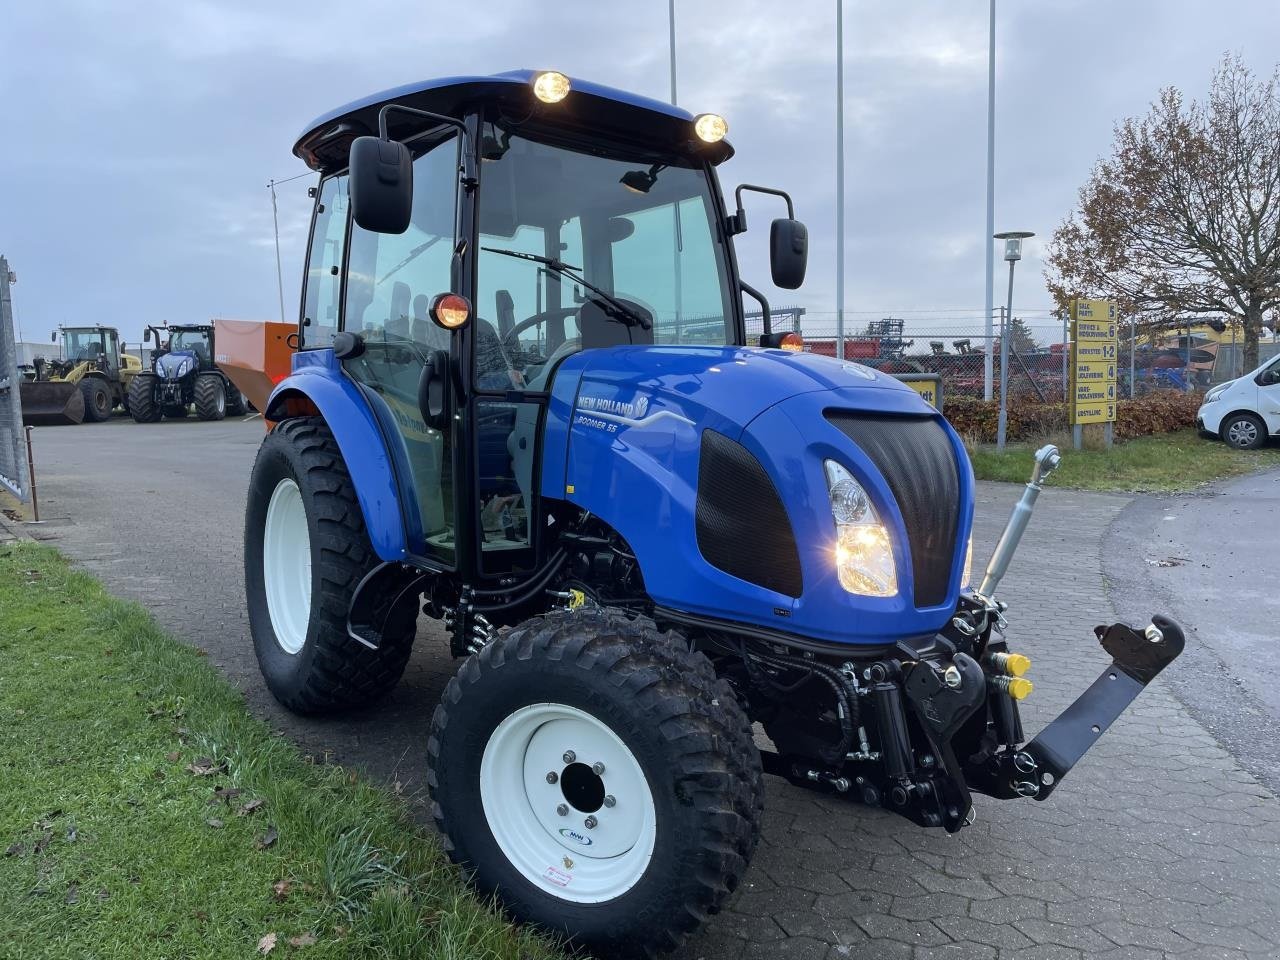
<point>1269,397</point>
<point>390,281</point>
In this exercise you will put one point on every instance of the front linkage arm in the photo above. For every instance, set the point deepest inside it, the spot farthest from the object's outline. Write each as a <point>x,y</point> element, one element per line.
<point>1037,768</point>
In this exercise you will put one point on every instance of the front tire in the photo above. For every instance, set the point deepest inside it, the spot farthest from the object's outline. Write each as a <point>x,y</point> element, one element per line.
<point>98,402</point>
<point>629,857</point>
<point>1244,431</point>
<point>210,397</point>
<point>306,550</point>
<point>142,399</point>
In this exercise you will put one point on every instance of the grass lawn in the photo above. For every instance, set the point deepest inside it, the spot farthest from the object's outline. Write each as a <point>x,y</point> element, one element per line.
<point>1165,463</point>
<point>145,813</point>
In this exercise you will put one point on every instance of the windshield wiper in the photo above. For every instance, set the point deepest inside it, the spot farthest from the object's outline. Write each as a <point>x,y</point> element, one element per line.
<point>413,255</point>
<point>614,308</point>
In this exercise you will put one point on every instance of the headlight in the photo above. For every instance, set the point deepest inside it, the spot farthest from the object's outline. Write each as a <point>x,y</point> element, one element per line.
<point>1216,393</point>
<point>864,551</point>
<point>966,578</point>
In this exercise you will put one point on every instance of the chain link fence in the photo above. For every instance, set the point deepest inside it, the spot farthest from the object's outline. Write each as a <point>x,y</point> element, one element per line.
<point>13,448</point>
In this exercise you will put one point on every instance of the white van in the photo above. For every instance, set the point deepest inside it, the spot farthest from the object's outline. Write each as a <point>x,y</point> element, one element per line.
<point>1244,411</point>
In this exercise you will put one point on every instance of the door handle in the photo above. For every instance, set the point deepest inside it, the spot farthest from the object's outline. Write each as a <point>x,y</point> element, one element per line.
<point>433,390</point>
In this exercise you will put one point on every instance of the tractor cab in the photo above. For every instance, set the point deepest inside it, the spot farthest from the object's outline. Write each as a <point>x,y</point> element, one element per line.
<point>99,346</point>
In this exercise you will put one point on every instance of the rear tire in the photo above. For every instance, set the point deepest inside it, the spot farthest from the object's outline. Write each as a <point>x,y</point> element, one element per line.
<point>305,552</point>
<point>142,399</point>
<point>1244,431</point>
<point>98,402</point>
<point>678,763</point>
<point>210,397</point>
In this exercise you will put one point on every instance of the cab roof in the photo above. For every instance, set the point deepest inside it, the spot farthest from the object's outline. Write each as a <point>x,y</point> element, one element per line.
<point>590,109</point>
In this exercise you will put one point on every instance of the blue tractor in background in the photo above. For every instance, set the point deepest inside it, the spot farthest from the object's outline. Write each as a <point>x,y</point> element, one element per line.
<point>524,402</point>
<point>183,374</point>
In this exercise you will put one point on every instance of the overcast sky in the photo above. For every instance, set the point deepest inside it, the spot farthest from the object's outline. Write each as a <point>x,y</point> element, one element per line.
<point>139,135</point>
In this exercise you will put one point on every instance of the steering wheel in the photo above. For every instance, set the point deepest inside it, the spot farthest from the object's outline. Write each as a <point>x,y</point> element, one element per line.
<point>511,340</point>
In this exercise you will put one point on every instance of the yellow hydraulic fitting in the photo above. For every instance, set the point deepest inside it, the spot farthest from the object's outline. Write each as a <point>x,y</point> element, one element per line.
<point>1014,664</point>
<point>1019,688</point>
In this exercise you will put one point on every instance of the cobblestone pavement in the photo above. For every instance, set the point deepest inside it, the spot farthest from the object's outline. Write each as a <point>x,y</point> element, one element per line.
<point>1157,845</point>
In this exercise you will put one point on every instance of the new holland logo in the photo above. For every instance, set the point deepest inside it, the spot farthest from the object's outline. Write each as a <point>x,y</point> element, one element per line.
<point>570,834</point>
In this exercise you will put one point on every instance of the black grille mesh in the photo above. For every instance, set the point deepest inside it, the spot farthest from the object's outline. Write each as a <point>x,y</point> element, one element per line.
<point>742,526</point>
<point>915,457</point>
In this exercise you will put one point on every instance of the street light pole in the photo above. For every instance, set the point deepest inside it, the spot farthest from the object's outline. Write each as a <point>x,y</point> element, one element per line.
<point>840,178</point>
<point>1012,253</point>
<point>991,200</point>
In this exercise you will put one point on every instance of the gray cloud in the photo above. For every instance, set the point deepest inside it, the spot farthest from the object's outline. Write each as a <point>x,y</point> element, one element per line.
<point>141,135</point>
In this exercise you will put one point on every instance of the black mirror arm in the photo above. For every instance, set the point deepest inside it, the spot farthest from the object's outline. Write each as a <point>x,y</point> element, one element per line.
<point>469,177</point>
<point>737,222</point>
<point>755,294</point>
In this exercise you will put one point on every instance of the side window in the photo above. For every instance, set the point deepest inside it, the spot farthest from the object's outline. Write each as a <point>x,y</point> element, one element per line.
<point>324,264</point>
<point>391,278</point>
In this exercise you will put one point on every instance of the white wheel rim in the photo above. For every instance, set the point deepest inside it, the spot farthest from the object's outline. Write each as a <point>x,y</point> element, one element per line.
<point>559,854</point>
<point>221,405</point>
<point>286,566</point>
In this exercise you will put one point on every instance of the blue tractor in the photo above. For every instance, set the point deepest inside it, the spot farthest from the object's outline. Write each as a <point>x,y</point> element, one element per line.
<point>524,403</point>
<point>183,374</point>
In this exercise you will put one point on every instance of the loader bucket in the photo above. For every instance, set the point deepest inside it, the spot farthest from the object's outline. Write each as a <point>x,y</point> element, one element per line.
<point>47,403</point>
<point>254,354</point>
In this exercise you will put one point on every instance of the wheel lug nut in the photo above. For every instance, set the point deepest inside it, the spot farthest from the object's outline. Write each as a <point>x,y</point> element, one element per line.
<point>609,801</point>
<point>551,777</point>
<point>597,768</point>
<point>590,823</point>
<point>563,809</point>
<point>569,756</point>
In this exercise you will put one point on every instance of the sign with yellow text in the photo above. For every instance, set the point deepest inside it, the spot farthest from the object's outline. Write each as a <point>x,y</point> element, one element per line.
<point>1100,411</point>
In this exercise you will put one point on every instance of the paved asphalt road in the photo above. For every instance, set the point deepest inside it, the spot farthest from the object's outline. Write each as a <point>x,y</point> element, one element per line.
<point>1160,844</point>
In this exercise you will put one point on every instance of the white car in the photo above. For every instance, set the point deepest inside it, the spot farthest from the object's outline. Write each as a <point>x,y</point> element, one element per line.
<point>1244,411</point>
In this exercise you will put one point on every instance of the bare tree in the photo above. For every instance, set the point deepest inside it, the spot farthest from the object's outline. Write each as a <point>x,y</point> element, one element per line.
<point>1183,220</point>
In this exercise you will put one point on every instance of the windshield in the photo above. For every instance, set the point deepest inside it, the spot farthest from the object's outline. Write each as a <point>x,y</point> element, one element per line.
<point>642,233</point>
<point>84,344</point>
<point>195,341</point>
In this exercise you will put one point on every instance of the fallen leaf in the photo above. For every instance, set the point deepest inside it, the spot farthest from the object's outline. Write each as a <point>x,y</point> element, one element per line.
<point>303,940</point>
<point>104,894</point>
<point>201,653</point>
<point>173,757</point>
<point>267,943</point>
<point>280,890</point>
<point>251,807</point>
<point>43,841</point>
<point>16,850</point>
<point>215,823</point>
<point>201,915</point>
<point>72,834</point>
<point>268,838</point>
<point>204,767</point>
<point>73,893</point>
<point>225,794</point>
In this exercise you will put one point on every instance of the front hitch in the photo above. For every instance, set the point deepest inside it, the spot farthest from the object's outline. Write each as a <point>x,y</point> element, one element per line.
<point>1036,769</point>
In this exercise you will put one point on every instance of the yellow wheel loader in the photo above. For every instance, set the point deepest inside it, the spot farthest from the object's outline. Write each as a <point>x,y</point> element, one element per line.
<point>87,383</point>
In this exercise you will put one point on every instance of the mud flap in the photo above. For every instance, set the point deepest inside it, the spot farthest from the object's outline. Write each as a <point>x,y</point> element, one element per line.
<point>1137,658</point>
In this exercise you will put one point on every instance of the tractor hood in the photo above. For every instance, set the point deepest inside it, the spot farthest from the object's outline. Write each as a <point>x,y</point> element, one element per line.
<point>175,365</point>
<point>726,388</point>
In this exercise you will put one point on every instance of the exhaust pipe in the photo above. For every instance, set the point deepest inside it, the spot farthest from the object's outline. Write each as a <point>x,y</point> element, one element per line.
<point>1047,460</point>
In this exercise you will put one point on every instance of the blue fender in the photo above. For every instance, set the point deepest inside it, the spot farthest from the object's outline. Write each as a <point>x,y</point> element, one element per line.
<point>318,376</point>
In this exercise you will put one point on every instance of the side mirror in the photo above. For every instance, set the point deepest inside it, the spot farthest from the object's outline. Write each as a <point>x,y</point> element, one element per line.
<point>788,253</point>
<point>381,184</point>
<point>53,337</point>
<point>146,335</point>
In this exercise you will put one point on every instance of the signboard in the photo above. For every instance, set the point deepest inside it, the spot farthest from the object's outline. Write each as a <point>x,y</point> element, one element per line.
<point>928,385</point>
<point>1094,349</point>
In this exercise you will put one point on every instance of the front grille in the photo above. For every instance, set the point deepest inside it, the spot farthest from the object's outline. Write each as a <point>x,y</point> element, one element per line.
<point>741,524</point>
<point>915,457</point>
